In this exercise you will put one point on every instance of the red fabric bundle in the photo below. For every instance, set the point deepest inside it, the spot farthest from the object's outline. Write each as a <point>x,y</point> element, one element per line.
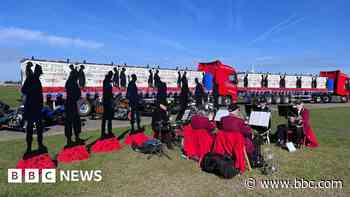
<point>106,145</point>
<point>197,142</point>
<point>231,143</point>
<point>136,139</point>
<point>76,153</point>
<point>42,161</point>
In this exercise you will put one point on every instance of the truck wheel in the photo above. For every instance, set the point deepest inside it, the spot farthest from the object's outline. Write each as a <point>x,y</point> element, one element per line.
<point>277,99</point>
<point>326,99</point>
<point>268,99</point>
<point>318,99</point>
<point>285,99</point>
<point>344,99</point>
<point>84,107</point>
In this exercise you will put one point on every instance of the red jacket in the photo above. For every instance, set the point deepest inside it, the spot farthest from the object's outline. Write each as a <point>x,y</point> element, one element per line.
<point>311,140</point>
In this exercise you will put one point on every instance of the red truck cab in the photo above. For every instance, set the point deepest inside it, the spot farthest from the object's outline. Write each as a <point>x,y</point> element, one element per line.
<point>224,76</point>
<point>337,83</point>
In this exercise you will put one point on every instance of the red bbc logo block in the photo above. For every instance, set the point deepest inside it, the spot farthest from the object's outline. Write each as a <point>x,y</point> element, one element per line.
<point>31,176</point>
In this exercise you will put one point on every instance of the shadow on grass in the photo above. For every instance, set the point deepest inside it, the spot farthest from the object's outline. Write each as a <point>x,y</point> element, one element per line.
<point>122,135</point>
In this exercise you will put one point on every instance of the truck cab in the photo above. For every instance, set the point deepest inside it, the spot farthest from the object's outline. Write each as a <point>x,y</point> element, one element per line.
<point>225,78</point>
<point>338,85</point>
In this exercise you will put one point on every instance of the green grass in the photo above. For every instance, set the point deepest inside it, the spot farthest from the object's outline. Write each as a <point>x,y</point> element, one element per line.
<point>10,95</point>
<point>126,173</point>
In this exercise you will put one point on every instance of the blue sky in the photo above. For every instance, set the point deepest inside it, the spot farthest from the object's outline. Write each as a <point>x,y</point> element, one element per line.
<point>275,36</point>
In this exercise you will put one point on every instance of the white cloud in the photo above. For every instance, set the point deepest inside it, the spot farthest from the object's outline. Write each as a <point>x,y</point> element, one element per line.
<point>14,33</point>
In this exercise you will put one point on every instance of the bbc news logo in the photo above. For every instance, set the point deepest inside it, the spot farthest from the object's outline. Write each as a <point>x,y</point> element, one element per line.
<point>52,175</point>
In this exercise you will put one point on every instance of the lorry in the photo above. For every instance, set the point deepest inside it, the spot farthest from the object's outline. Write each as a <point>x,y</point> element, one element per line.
<point>56,72</point>
<point>328,86</point>
<point>233,86</point>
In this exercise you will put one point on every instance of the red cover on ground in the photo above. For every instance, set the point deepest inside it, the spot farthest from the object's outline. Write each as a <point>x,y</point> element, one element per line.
<point>136,138</point>
<point>231,143</point>
<point>197,142</point>
<point>106,145</point>
<point>311,140</point>
<point>42,161</point>
<point>76,153</point>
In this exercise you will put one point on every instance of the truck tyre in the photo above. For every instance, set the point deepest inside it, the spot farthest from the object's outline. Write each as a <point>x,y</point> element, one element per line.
<point>344,99</point>
<point>277,99</point>
<point>268,99</point>
<point>318,99</point>
<point>285,99</point>
<point>84,107</point>
<point>326,99</point>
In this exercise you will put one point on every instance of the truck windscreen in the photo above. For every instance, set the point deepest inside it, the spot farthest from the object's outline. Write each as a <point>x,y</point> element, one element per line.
<point>347,84</point>
<point>233,78</point>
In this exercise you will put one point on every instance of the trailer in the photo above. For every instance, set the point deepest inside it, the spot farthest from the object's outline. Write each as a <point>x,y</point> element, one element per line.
<point>233,86</point>
<point>246,87</point>
<point>55,75</point>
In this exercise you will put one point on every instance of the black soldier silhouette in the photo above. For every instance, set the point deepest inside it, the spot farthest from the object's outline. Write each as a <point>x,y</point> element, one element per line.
<point>72,120</point>
<point>134,101</point>
<point>29,71</point>
<point>199,93</point>
<point>314,82</point>
<point>82,79</point>
<point>32,89</point>
<point>264,81</point>
<point>283,81</point>
<point>245,80</point>
<point>107,101</point>
<point>184,78</point>
<point>298,83</point>
<point>116,77</point>
<point>150,78</point>
<point>184,98</point>
<point>123,78</point>
<point>160,115</point>
<point>178,79</point>
<point>156,78</point>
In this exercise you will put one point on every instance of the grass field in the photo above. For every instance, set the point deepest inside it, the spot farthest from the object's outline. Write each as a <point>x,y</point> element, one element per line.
<point>10,95</point>
<point>126,173</point>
